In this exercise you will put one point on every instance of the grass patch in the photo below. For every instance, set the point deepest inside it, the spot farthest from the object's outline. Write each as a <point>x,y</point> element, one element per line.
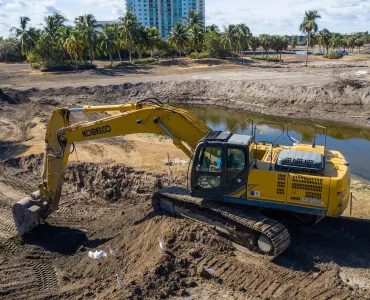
<point>62,66</point>
<point>141,61</point>
<point>333,55</point>
<point>266,58</point>
<point>201,55</point>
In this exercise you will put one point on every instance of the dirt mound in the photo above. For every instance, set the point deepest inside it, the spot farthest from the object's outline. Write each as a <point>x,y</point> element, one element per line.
<point>335,101</point>
<point>13,96</point>
<point>110,205</point>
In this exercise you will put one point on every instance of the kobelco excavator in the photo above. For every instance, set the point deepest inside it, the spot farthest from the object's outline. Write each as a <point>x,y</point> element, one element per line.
<point>237,184</point>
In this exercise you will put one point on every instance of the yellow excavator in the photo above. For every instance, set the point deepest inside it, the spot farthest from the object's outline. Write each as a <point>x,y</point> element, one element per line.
<point>238,185</point>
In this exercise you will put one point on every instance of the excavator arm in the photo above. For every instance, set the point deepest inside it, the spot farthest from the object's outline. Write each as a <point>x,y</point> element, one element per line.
<point>143,117</point>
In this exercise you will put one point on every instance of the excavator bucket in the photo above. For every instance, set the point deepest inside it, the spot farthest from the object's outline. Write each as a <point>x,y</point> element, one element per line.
<point>28,213</point>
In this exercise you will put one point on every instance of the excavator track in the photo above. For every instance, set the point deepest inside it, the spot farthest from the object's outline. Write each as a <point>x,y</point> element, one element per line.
<point>177,200</point>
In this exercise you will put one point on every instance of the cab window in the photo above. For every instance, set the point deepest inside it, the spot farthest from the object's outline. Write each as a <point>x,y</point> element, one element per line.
<point>209,164</point>
<point>235,162</point>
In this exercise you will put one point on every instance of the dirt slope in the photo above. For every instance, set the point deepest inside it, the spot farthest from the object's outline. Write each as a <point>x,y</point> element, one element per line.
<point>104,204</point>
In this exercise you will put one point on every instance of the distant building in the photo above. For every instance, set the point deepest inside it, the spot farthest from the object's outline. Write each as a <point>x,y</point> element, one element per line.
<point>164,14</point>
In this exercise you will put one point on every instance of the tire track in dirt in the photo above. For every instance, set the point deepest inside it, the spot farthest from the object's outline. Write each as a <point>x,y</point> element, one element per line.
<point>27,279</point>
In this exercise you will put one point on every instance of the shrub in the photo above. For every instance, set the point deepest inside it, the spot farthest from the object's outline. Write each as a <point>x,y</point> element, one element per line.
<point>148,60</point>
<point>10,51</point>
<point>333,55</point>
<point>193,55</point>
<point>36,66</point>
<point>118,64</point>
<point>204,54</point>
<point>66,65</point>
<point>266,58</point>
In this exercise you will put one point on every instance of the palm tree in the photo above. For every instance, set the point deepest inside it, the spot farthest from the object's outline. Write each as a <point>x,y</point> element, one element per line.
<point>75,46</point>
<point>88,25</point>
<point>229,37</point>
<point>51,34</point>
<point>26,35</point>
<point>193,19</point>
<point>351,42</point>
<point>212,28</point>
<point>325,39</point>
<point>359,43</point>
<point>107,44</point>
<point>265,41</point>
<point>336,41</point>
<point>129,27</point>
<point>195,37</point>
<point>154,39</point>
<point>243,34</point>
<point>309,26</point>
<point>142,40</point>
<point>254,43</point>
<point>117,40</point>
<point>178,37</point>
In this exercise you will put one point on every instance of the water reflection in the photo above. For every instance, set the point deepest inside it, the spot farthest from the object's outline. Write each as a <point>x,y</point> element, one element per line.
<point>352,141</point>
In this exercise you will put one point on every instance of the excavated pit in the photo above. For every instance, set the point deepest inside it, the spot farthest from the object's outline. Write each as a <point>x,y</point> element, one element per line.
<point>110,205</point>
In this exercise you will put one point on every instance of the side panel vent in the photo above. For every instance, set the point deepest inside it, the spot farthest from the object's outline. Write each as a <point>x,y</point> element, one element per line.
<point>280,190</point>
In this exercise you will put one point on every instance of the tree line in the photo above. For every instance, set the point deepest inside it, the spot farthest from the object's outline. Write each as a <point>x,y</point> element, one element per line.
<point>86,39</point>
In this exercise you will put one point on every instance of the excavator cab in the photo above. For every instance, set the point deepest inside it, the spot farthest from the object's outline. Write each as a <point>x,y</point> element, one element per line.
<point>221,165</point>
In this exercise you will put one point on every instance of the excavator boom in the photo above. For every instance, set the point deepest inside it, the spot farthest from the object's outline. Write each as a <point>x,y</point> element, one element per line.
<point>150,117</point>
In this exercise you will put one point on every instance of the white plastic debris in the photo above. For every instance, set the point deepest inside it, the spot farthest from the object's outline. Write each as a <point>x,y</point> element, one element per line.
<point>361,73</point>
<point>161,244</point>
<point>119,281</point>
<point>97,254</point>
<point>210,271</point>
<point>111,251</point>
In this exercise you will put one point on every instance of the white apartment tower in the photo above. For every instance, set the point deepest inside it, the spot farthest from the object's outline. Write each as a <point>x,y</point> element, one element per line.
<point>164,14</point>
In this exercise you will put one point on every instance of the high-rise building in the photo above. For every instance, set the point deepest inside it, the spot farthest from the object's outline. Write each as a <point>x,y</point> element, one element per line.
<point>164,14</point>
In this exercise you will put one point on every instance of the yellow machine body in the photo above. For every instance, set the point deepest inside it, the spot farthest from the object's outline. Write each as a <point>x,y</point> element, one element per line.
<point>265,187</point>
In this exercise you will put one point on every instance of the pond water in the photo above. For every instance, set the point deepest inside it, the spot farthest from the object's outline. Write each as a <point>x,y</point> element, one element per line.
<point>352,141</point>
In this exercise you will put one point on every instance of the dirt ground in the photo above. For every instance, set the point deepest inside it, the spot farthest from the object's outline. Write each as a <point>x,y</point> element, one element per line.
<point>106,200</point>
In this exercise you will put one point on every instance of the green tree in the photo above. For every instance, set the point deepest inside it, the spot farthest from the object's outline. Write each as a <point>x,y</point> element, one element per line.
<point>229,38</point>
<point>88,26</point>
<point>52,30</point>
<point>325,39</point>
<point>10,50</point>
<point>351,42</point>
<point>359,43</point>
<point>212,28</point>
<point>265,41</point>
<point>75,46</point>
<point>294,42</point>
<point>26,35</point>
<point>142,40</point>
<point>117,39</point>
<point>196,37</point>
<point>154,40</point>
<point>193,19</point>
<point>278,43</point>
<point>336,41</point>
<point>309,26</point>
<point>129,27</point>
<point>107,44</point>
<point>254,43</point>
<point>242,34</point>
<point>178,37</point>
<point>212,44</point>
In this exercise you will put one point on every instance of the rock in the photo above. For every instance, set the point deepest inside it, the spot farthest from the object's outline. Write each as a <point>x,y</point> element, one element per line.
<point>242,289</point>
<point>194,253</point>
<point>202,272</point>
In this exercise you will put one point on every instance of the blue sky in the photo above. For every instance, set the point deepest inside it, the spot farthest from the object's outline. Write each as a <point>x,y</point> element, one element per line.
<point>262,16</point>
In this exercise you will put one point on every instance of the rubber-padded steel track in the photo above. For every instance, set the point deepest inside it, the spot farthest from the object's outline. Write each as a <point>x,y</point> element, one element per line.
<point>250,218</point>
